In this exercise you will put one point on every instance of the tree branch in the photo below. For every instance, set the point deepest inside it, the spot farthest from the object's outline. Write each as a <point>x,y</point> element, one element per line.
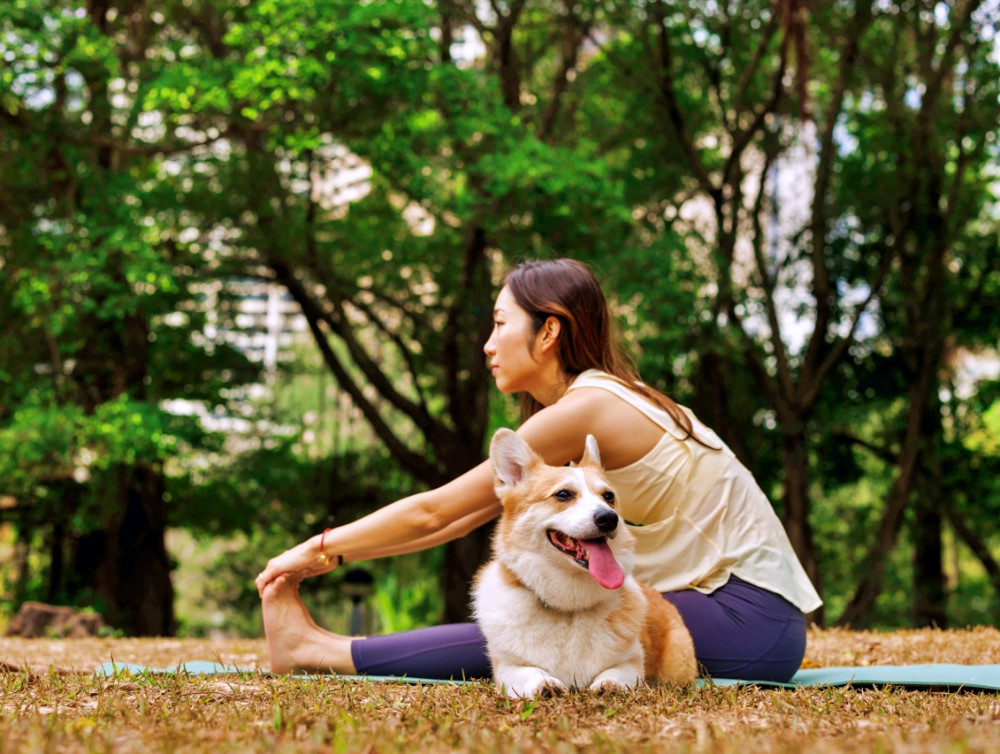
<point>141,151</point>
<point>418,413</point>
<point>372,372</point>
<point>812,381</point>
<point>824,175</point>
<point>572,40</point>
<point>474,252</point>
<point>978,546</point>
<point>934,83</point>
<point>780,352</point>
<point>877,450</point>
<point>767,34</point>
<point>397,339</point>
<point>669,95</point>
<point>743,138</point>
<point>416,463</point>
<point>867,590</point>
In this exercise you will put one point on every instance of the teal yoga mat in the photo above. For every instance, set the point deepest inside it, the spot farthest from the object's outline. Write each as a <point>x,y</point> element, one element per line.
<point>202,667</point>
<point>951,677</point>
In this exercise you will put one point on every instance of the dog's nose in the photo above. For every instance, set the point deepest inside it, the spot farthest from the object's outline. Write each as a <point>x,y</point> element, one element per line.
<point>606,520</point>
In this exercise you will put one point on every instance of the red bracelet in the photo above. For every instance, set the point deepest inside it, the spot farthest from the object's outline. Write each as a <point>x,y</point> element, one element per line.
<point>322,555</point>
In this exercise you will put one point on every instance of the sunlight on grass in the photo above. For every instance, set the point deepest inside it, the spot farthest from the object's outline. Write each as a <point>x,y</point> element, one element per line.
<point>46,705</point>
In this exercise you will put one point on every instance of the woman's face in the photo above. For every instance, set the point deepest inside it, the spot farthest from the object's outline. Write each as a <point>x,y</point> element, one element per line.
<point>509,346</point>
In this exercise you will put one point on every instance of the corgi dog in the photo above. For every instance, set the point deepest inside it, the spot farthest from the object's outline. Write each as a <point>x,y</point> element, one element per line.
<point>557,603</point>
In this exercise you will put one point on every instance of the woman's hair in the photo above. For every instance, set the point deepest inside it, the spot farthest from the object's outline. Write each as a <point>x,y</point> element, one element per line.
<point>567,290</point>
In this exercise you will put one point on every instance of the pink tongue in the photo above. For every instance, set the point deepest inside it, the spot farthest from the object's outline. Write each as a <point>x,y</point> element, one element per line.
<point>603,565</point>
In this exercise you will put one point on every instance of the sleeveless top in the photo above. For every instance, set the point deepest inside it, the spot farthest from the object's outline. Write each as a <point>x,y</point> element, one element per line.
<point>697,513</point>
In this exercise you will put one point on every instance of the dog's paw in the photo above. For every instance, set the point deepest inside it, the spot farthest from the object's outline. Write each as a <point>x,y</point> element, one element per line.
<point>527,682</point>
<point>608,685</point>
<point>615,680</point>
<point>539,687</point>
<point>552,687</point>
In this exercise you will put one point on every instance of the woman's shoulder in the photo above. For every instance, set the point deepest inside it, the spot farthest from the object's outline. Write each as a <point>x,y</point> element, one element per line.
<point>623,432</point>
<point>594,378</point>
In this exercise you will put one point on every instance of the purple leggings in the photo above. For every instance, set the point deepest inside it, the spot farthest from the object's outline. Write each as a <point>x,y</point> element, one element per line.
<point>739,631</point>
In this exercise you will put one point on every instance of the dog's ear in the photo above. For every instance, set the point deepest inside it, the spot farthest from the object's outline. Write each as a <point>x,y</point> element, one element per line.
<point>510,457</point>
<point>591,455</point>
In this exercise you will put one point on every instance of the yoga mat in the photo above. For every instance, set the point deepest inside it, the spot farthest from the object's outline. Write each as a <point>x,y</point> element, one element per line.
<point>203,667</point>
<point>938,676</point>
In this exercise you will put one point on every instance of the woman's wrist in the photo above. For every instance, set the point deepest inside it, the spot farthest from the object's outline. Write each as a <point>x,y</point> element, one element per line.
<point>325,558</point>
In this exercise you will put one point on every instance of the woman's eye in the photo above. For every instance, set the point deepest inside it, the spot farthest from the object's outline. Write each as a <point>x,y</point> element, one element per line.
<point>609,498</point>
<point>563,495</point>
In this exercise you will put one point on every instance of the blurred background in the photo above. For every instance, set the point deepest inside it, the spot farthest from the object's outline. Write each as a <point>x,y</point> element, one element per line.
<point>248,251</point>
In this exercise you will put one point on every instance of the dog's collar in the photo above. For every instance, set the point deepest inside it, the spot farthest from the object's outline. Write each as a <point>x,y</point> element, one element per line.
<point>542,602</point>
<point>531,591</point>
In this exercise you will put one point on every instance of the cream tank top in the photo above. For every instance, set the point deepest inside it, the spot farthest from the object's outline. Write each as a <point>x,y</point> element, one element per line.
<point>697,514</point>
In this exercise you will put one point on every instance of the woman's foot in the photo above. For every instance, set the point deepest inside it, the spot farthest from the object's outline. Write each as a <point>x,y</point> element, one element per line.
<point>294,641</point>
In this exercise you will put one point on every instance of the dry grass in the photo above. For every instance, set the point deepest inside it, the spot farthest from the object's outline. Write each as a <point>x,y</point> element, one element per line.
<point>72,712</point>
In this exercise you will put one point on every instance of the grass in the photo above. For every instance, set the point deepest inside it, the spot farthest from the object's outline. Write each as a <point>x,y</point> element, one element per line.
<point>50,703</point>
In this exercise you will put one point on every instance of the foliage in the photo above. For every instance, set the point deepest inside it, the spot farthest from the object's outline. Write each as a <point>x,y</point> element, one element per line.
<point>794,209</point>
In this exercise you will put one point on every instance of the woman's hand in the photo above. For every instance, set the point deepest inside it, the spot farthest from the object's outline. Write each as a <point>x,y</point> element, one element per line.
<point>301,561</point>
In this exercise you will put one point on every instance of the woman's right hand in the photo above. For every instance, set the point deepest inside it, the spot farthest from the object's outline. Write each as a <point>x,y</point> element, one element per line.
<point>302,560</point>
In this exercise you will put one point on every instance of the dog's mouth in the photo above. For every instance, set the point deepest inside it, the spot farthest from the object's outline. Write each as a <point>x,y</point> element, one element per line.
<point>570,546</point>
<point>592,554</point>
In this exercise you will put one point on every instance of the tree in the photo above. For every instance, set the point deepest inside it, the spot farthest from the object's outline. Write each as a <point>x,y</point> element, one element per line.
<point>935,132</point>
<point>98,312</point>
<point>738,93</point>
<point>400,315</point>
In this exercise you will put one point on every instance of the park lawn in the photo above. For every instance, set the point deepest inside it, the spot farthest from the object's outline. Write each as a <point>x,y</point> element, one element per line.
<point>65,709</point>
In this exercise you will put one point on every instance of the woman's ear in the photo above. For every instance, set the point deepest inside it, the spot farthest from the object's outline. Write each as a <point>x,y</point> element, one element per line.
<point>548,334</point>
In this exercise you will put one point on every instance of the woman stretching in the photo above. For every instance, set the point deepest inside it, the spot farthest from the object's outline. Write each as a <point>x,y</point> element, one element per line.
<point>706,536</point>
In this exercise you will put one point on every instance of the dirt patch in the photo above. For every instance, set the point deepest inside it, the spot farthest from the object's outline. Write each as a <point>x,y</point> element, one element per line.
<point>84,655</point>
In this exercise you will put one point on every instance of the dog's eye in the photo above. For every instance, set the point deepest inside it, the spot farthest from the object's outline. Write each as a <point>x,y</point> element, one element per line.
<point>609,497</point>
<point>563,495</point>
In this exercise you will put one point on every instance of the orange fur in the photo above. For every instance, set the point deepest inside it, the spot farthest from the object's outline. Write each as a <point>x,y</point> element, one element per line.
<point>666,643</point>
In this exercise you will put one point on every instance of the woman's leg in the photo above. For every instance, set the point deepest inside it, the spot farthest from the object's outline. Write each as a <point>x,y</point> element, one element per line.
<point>743,631</point>
<point>455,651</point>
<point>739,631</point>
<point>295,642</point>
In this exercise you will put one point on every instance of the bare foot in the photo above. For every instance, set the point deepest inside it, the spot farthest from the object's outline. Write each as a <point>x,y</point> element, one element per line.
<point>294,641</point>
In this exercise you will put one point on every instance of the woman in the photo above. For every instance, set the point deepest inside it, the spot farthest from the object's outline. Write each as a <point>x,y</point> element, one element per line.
<point>706,536</point>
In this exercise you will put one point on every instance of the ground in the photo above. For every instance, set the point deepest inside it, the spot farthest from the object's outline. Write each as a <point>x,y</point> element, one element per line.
<point>65,709</point>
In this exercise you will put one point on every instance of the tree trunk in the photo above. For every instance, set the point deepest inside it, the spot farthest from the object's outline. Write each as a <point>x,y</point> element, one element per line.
<point>127,561</point>
<point>712,405</point>
<point>510,77</point>
<point>858,611</point>
<point>466,387</point>
<point>929,597</point>
<point>55,562</point>
<point>462,559</point>
<point>796,513</point>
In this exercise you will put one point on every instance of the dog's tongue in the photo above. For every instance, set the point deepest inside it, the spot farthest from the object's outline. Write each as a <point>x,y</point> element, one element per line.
<point>603,565</point>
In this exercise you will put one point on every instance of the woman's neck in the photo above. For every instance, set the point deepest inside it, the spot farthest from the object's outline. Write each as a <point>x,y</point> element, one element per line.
<point>551,387</point>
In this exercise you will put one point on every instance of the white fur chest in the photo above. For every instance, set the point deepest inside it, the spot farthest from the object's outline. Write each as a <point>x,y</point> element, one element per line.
<point>573,647</point>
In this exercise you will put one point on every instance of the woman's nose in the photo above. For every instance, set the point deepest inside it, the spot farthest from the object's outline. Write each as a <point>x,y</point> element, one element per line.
<point>489,349</point>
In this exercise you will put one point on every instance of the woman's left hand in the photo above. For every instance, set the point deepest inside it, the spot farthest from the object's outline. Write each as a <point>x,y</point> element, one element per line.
<point>302,560</point>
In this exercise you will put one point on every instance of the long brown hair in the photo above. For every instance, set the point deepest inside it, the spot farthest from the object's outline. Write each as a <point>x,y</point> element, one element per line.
<point>567,290</point>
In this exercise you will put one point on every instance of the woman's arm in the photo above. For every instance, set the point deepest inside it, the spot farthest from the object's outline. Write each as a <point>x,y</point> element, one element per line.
<point>455,530</point>
<point>556,433</point>
<point>397,527</point>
